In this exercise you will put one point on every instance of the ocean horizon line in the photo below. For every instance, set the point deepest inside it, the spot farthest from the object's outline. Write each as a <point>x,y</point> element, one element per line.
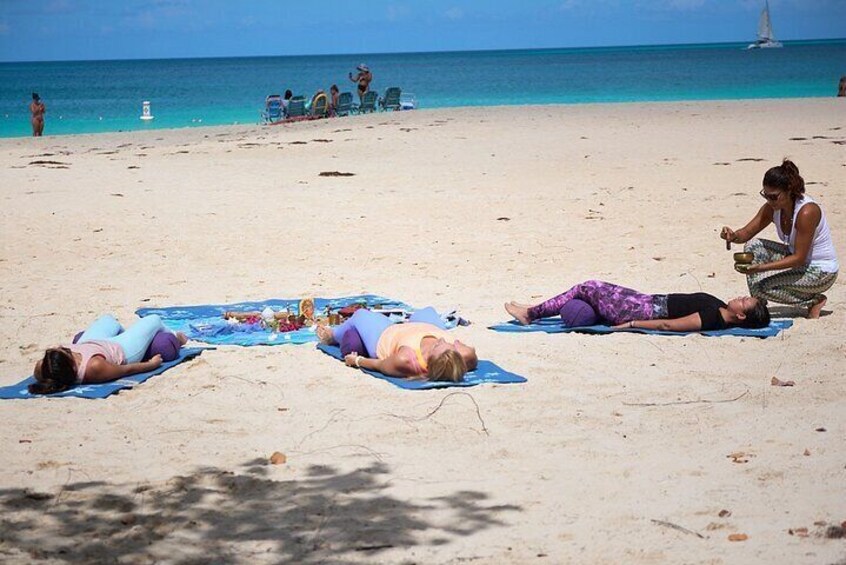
<point>574,49</point>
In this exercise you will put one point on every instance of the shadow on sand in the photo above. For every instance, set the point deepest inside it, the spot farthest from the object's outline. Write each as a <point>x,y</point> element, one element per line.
<point>782,311</point>
<point>218,516</point>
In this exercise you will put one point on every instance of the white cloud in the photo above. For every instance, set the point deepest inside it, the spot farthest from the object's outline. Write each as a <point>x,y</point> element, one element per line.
<point>454,13</point>
<point>247,22</point>
<point>397,12</point>
<point>685,4</point>
<point>58,7</point>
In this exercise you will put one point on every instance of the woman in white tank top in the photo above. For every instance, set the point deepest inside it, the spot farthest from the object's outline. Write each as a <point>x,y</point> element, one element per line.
<point>803,265</point>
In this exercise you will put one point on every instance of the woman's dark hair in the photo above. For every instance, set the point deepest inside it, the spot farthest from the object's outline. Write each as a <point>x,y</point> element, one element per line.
<point>786,177</point>
<point>58,373</point>
<point>333,88</point>
<point>288,94</point>
<point>35,96</point>
<point>757,317</point>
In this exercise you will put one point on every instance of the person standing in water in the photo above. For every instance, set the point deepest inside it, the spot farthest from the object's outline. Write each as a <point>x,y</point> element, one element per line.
<point>37,109</point>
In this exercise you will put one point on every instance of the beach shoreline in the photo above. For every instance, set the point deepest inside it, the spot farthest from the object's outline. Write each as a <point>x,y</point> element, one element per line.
<point>611,439</point>
<point>235,127</point>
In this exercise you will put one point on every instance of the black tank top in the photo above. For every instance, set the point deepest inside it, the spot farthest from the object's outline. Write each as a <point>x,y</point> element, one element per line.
<point>707,306</point>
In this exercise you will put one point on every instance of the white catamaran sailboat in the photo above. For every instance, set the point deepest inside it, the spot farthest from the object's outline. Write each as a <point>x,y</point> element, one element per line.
<point>765,31</point>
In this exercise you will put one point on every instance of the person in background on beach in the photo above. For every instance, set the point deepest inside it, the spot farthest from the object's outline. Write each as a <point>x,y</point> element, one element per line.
<point>37,109</point>
<point>363,79</point>
<point>805,259</point>
<point>101,354</point>
<point>334,96</point>
<point>286,100</point>
<point>419,348</point>
<point>841,88</point>
<point>626,308</point>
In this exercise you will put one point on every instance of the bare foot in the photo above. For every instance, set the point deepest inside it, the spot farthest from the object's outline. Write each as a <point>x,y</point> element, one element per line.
<point>815,310</point>
<point>521,305</point>
<point>183,339</point>
<point>325,335</point>
<point>520,313</point>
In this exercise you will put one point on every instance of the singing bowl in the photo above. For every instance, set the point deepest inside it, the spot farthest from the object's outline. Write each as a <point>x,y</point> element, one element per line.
<point>742,268</point>
<point>743,257</point>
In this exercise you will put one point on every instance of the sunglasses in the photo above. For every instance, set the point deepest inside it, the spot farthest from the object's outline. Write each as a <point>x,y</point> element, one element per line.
<point>769,195</point>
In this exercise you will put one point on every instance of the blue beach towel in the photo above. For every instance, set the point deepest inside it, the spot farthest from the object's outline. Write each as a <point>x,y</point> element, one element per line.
<point>553,326</point>
<point>486,372</point>
<point>205,322</point>
<point>100,390</point>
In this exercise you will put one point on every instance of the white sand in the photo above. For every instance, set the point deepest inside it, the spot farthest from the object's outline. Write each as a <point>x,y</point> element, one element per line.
<point>561,469</point>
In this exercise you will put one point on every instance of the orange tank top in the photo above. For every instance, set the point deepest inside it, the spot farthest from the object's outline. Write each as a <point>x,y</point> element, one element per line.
<point>409,334</point>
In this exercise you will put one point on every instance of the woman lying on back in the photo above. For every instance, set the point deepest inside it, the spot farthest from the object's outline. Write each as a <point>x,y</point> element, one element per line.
<point>104,352</point>
<point>627,308</point>
<point>419,348</point>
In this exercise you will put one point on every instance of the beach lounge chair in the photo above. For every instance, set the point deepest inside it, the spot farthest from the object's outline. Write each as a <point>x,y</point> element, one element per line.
<point>368,103</point>
<point>391,100</point>
<point>319,106</point>
<point>296,108</point>
<point>272,109</point>
<point>345,103</point>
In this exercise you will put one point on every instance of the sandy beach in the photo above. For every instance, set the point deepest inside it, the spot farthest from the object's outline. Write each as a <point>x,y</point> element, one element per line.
<point>618,449</point>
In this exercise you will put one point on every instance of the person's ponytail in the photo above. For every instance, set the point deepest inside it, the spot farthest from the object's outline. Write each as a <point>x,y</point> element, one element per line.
<point>58,373</point>
<point>795,182</point>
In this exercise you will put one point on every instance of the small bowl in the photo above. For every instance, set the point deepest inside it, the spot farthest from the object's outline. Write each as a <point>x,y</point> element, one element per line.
<point>742,268</point>
<point>744,258</point>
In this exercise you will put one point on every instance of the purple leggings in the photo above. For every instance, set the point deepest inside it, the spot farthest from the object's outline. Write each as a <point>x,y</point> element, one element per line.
<point>615,303</point>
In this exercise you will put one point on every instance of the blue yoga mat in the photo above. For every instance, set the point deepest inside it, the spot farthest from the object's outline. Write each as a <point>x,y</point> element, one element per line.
<point>486,372</point>
<point>205,322</point>
<point>101,390</point>
<point>553,326</point>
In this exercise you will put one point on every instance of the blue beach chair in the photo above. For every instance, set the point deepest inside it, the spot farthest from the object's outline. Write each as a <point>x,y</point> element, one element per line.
<point>368,103</point>
<point>272,109</point>
<point>345,103</point>
<point>296,108</point>
<point>391,100</point>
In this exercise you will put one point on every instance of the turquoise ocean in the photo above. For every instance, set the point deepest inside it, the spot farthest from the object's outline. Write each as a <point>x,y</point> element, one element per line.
<point>98,96</point>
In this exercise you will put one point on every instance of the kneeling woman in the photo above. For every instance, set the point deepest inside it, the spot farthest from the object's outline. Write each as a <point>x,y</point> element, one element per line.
<point>104,352</point>
<point>798,269</point>
<point>627,308</point>
<point>419,348</point>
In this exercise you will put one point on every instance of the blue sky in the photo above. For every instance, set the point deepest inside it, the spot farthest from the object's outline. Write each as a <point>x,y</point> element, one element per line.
<point>132,29</point>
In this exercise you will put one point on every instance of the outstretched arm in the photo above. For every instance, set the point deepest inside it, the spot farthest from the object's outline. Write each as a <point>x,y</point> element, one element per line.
<point>689,323</point>
<point>761,220</point>
<point>396,365</point>
<point>101,371</point>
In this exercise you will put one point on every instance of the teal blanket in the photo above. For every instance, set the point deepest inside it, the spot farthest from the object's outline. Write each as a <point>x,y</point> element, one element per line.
<point>205,322</point>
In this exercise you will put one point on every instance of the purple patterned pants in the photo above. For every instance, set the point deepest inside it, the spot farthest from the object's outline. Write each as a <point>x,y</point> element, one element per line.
<point>615,303</point>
